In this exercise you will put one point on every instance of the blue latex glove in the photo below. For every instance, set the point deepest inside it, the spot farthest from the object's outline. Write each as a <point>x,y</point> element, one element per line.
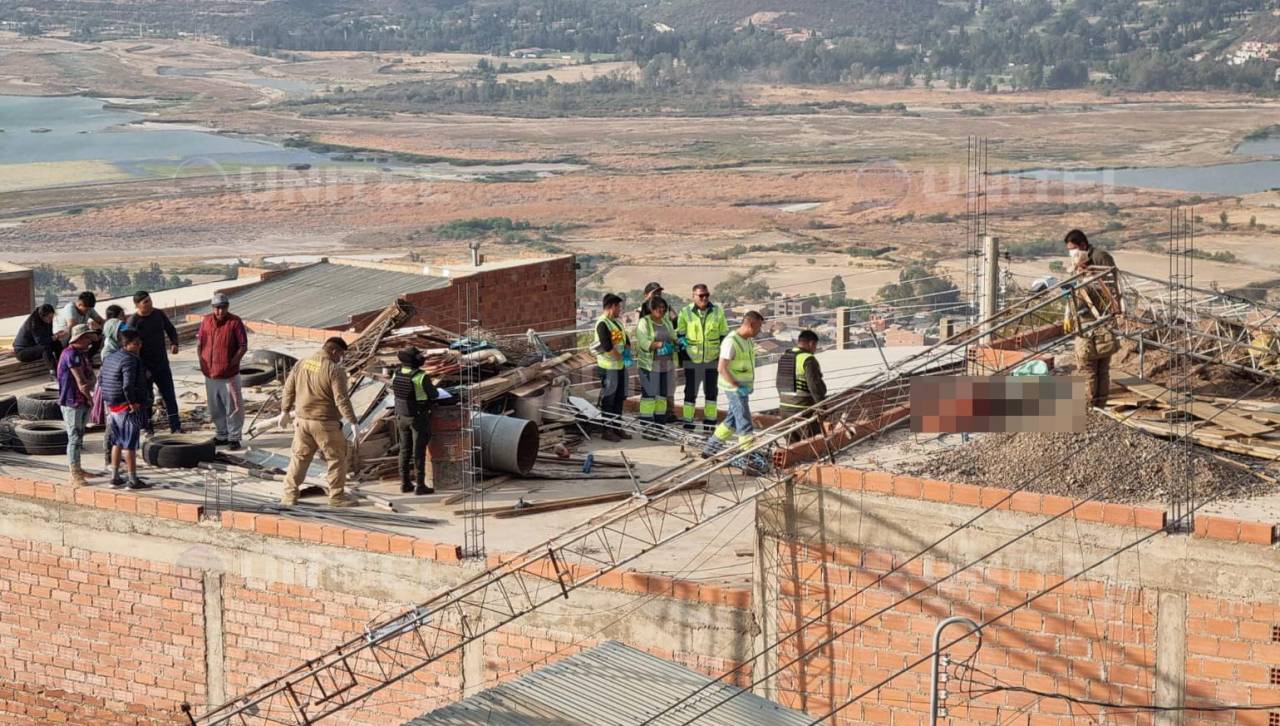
<point>684,344</point>
<point>627,360</point>
<point>744,390</point>
<point>666,349</point>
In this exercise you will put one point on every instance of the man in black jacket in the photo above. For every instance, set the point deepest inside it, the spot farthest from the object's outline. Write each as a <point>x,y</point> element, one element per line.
<point>414,393</point>
<point>124,391</point>
<point>153,327</point>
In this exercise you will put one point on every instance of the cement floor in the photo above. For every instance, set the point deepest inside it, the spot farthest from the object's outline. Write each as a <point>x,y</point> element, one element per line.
<point>719,553</point>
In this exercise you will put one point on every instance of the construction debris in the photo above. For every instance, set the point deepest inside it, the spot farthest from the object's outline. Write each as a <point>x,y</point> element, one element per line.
<point>1117,461</point>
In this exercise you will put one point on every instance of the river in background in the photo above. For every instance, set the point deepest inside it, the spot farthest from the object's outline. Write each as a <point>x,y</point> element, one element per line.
<point>1231,179</point>
<point>52,129</point>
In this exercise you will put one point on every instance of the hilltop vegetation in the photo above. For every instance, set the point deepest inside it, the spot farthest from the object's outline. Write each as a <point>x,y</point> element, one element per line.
<point>693,44</point>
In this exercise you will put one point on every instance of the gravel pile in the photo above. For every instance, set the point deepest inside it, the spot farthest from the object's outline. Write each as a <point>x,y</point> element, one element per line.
<point>1132,466</point>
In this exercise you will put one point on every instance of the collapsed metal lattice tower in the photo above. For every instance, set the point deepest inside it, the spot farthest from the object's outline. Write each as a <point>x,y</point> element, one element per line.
<point>681,501</point>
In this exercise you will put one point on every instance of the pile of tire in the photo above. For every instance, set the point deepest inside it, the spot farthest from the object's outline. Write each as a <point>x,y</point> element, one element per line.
<point>179,451</point>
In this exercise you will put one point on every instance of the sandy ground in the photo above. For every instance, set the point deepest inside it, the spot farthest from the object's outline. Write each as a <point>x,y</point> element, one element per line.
<point>57,173</point>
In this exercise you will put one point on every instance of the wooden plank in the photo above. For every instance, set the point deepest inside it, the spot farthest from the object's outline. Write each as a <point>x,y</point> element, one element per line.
<point>1199,409</point>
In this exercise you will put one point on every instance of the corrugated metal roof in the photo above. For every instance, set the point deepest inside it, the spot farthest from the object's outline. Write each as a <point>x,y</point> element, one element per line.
<point>326,294</point>
<point>610,685</point>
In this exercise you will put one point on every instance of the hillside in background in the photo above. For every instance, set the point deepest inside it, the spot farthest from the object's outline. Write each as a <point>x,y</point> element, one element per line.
<point>997,44</point>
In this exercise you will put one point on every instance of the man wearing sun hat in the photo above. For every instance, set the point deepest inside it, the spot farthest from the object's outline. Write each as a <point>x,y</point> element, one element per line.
<point>221,343</point>
<point>75,392</point>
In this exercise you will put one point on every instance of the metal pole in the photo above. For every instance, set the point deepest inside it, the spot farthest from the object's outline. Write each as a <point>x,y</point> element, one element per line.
<point>937,657</point>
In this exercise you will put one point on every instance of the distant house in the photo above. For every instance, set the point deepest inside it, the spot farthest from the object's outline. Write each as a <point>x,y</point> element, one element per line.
<point>792,307</point>
<point>528,52</point>
<point>896,336</point>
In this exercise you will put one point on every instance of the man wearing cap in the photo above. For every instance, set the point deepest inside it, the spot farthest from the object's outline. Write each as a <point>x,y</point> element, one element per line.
<point>220,344</point>
<point>75,391</point>
<point>153,328</point>
<point>414,393</point>
<point>319,387</point>
<point>124,391</point>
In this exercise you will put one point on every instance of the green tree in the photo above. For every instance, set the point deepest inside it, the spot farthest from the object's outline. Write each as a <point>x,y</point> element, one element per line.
<point>837,291</point>
<point>1224,219</point>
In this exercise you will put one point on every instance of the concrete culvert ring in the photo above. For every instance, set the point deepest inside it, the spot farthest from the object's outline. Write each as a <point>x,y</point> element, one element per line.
<point>42,406</point>
<point>41,437</point>
<point>179,451</point>
<point>8,406</point>
<point>256,375</point>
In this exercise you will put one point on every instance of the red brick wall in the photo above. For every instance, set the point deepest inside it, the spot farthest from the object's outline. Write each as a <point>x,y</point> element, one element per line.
<point>1094,638</point>
<point>17,293</point>
<point>94,638</point>
<point>90,638</point>
<point>541,295</point>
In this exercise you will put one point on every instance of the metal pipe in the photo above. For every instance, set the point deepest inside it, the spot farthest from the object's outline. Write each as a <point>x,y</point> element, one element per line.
<point>937,657</point>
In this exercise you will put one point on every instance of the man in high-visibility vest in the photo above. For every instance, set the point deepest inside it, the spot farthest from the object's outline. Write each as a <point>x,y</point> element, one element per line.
<point>701,327</point>
<point>800,383</point>
<point>737,369</point>
<point>612,349</point>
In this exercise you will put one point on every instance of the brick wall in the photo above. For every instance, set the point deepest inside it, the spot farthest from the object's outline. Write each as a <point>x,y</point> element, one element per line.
<point>1184,607</point>
<point>114,607</point>
<point>90,638</point>
<point>540,295</point>
<point>17,293</point>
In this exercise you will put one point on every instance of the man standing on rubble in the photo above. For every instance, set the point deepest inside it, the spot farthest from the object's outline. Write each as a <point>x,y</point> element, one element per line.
<point>153,327</point>
<point>220,344</point>
<point>414,393</point>
<point>701,328</point>
<point>1094,349</point>
<point>737,370</point>
<point>319,388</point>
<point>75,392</point>
<point>800,383</point>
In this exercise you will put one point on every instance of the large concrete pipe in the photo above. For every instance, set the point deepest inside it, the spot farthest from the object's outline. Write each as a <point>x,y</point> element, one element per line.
<point>507,444</point>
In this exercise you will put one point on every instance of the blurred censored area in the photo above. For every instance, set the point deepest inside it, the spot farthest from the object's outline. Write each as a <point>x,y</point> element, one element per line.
<point>998,404</point>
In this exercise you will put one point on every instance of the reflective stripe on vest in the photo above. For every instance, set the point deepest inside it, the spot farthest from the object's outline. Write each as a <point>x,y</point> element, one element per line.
<point>743,363</point>
<point>793,387</point>
<point>704,348</point>
<point>605,359</point>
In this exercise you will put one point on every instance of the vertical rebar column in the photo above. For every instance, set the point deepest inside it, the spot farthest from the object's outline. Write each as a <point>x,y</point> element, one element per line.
<point>1180,319</point>
<point>470,473</point>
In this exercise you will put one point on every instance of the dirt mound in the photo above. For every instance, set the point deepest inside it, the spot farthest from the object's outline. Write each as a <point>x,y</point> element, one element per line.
<point>1126,465</point>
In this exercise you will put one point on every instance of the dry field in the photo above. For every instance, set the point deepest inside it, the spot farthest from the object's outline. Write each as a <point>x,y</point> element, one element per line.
<point>657,193</point>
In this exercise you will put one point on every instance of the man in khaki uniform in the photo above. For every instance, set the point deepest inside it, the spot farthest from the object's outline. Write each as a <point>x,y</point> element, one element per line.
<point>318,387</point>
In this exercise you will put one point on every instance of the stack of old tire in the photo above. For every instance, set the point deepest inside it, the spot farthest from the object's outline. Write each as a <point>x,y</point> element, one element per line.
<point>34,423</point>
<point>265,366</point>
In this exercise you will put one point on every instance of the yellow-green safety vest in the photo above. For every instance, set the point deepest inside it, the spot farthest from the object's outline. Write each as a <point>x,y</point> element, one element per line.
<point>702,330</point>
<point>743,363</point>
<point>646,334</point>
<point>612,360</point>
<point>793,387</point>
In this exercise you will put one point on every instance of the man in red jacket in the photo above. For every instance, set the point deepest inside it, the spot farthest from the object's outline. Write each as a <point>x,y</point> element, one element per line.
<point>221,342</point>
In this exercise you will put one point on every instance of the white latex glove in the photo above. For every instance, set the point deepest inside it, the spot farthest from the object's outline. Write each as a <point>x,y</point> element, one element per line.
<point>283,420</point>
<point>351,431</point>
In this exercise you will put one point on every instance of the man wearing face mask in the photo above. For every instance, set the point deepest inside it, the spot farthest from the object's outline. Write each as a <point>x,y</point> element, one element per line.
<point>1094,351</point>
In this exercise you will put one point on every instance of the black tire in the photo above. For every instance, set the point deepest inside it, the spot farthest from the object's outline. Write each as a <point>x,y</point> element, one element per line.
<point>179,451</point>
<point>256,375</point>
<point>40,438</point>
<point>281,363</point>
<point>8,406</point>
<point>41,406</point>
